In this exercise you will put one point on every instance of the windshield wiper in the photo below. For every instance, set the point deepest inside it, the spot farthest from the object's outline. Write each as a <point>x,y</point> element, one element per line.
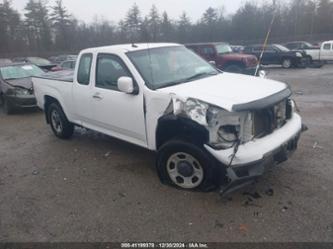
<point>177,82</point>
<point>199,75</point>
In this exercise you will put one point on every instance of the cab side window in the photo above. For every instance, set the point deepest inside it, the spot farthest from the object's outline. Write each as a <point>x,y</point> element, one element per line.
<point>83,74</point>
<point>109,69</point>
<point>327,46</point>
<point>208,51</point>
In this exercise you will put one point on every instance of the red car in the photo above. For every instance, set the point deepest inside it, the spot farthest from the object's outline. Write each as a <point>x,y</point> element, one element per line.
<point>224,58</point>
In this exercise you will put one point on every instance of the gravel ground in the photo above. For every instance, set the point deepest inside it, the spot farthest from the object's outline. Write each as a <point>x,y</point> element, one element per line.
<point>96,188</point>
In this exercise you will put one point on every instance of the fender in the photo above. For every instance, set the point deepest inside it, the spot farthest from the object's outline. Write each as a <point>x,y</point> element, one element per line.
<point>170,126</point>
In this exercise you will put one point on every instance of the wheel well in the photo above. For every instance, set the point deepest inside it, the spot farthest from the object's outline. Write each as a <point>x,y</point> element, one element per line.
<point>286,58</point>
<point>48,101</point>
<point>171,126</point>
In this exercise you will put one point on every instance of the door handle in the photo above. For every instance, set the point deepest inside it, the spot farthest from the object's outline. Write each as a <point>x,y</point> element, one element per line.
<point>97,96</point>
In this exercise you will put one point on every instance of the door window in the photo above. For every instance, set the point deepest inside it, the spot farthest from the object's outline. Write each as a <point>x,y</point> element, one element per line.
<point>270,49</point>
<point>258,49</point>
<point>327,46</point>
<point>208,51</point>
<point>109,69</point>
<point>83,74</point>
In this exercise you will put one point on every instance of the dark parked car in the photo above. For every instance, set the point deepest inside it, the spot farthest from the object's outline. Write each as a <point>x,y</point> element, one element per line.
<point>42,63</point>
<point>300,45</point>
<point>224,57</point>
<point>276,54</point>
<point>69,65</point>
<point>16,86</point>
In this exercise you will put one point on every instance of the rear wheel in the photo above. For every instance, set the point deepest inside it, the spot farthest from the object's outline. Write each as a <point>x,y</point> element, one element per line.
<point>185,165</point>
<point>286,63</point>
<point>60,125</point>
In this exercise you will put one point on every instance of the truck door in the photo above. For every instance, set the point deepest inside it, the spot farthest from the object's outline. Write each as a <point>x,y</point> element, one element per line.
<point>326,51</point>
<point>81,93</point>
<point>267,57</point>
<point>116,113</point>
<point>271,56</point>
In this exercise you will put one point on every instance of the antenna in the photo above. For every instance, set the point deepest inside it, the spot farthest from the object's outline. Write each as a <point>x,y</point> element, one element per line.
<point>266,39</point>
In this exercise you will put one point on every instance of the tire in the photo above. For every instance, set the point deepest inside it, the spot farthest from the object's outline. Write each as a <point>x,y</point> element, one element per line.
<point>286,63</point>
<point>233,69</point>
<point>59,123</point>
<point>7,107</point>
<point>195,169</point>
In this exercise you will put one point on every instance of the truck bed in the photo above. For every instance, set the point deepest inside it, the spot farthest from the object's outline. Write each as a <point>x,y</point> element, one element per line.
<point>66,75</point>
<point>57,85</point>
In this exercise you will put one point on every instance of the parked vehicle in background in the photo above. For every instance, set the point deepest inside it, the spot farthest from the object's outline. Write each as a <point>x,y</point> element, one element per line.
<point>42,63</point>
<point>65,57</point>
<point>209,128</point>
<point>276,54</point>
<point>69,65</point>
<point>224,58</point>
<point>300,45</point>
<point>16,89</point>
<point>5,61</point>
<point>237,48</point>
<point>326,51</point>
<point>317,54</point>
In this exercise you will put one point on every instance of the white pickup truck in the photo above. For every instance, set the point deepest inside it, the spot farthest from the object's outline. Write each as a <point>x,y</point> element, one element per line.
<point>321,54</point>
<point>209,128</point>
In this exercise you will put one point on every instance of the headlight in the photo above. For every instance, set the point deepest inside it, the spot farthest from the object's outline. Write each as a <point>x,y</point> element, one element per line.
<point>224,127</point>
<point>228,135</point>
<point>196,110</point>
<point>21,91</point>
<point>298,54</point>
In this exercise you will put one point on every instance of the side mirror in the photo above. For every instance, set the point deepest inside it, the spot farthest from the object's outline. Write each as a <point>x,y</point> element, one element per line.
<point>126,85</point>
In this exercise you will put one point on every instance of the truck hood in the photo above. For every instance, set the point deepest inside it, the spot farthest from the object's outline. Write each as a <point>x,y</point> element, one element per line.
<point>232,92</point>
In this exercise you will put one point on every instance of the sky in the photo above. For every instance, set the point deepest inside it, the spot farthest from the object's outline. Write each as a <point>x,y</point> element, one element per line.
<point>114,10</point>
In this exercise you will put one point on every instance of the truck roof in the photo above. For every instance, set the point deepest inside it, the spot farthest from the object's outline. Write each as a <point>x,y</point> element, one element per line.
<point>129,47</point>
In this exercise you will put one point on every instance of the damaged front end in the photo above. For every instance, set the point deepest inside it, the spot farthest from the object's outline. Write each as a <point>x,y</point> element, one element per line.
<point>225,128</point>
<point>246,142</point>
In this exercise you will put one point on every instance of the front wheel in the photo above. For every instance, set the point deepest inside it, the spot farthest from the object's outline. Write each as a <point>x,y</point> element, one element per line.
<point>60,125</point>
<point>286,63</point>
<point>187,166</point>
<point>7,107</point>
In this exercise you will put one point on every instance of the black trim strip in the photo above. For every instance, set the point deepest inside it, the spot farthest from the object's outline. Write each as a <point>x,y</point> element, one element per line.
<point>263,103</point>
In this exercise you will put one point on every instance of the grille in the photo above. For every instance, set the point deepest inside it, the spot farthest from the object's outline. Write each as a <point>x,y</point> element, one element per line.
<point>267,120</point>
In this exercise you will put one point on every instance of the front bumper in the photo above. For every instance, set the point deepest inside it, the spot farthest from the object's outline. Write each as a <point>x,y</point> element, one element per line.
<point>254,158</point>
<point>24,101</point>
<point>300,61</point>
